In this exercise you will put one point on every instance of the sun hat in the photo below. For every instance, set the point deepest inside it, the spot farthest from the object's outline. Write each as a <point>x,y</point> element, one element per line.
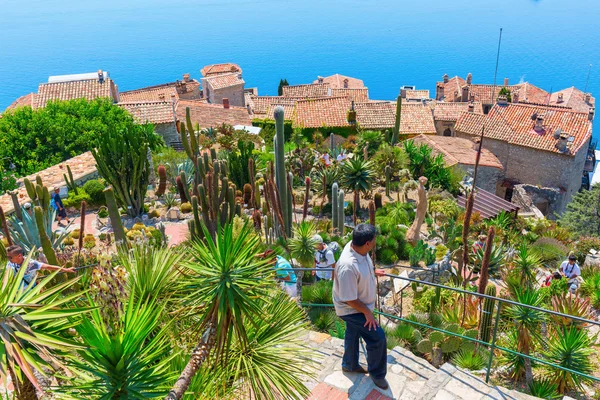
<point>318,239</point>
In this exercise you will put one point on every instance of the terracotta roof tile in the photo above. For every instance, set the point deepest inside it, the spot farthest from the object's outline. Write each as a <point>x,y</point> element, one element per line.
<point>224,80</point>
<point>156,112</point>
<point>307,91</point>
<point>288,109</point>
<point>452,111</point>
<point>358,95</point>
<point>573,98</point>
<point>453,88</point>
<point>415,119</point>
<point>216,69</point>
<point>513,123</point>
<point>26,100</point>
<point>212,115</point>
<point>261,104</point>
<point>326,111</point>
<point>337,81</point>
<point>458,150</point>
<point>530,93</point>
<point>153,93</point>
<point>88,89</point>
<point>416,94</point>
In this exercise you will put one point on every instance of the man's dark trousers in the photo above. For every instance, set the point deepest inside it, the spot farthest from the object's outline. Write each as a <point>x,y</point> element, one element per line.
<point>376,345</point>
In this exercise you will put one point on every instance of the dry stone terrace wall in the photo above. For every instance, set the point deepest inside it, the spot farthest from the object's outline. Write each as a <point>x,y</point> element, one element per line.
<point>83,168</point>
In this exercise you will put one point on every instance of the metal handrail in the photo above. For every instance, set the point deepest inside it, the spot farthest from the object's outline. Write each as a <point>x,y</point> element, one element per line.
<point>492,345</point>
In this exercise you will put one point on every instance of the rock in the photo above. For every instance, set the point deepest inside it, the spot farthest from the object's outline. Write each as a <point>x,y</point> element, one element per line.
<point>174,214</point>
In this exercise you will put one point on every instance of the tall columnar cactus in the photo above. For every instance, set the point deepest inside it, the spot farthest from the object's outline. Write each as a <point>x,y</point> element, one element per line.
<point>44,239</point>
<point>331,141</point>
<point>82,225</point>
<point>115,216</point>
<point>248,194</point>
<point>378,201</point>
<point>16,205</point>
<point>484,275</point>
<point>306,197</point>
<point>291,200</point>
<point>396,133</point>
<point>71,185</point>
<point>38,193</point>
<point>388,177</point>
<point>256,195</point>
<point>188,137</point>
<point>280,175</point>
<point>252,175</point>
<point>372,222</point>
<point>30,189</point>
<point>334,206</point>
<point>5,229</point>
<point>257,220</point>
<point>181,187</point>
<point>485,322</point>
<point>162,181</point>
<point>340,210</point>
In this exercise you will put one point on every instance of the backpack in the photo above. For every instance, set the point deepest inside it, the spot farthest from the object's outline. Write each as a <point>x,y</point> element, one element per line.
<point>53,203</point>
<point>334,246</point>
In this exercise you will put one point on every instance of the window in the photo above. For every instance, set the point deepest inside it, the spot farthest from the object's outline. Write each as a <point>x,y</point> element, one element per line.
<point>447,132</point>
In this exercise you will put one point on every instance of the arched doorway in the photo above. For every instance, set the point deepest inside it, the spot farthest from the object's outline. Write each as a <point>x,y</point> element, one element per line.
<point>447,132</point>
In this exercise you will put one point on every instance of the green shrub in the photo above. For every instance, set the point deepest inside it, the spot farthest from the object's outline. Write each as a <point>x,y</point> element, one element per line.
<point>391,245</point>
<point>322,318</point>
<point>103,212</point>
<point>584,245</point>
<point>421,252</point>
<point>95,189</point>
<point>338,330</point>
<point>423,302</point>
<point>319,293</point>
<point>74,200</point>
<point>550,251</point>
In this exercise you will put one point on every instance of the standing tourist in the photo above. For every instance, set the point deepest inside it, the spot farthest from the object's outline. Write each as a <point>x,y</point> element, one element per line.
<point>59,207</point>
<point>354,296</point>
<point>571,271</point>
<point>324,258</point>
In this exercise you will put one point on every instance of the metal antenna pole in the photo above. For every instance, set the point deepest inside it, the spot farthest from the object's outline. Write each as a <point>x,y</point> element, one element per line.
<point>588,79</point>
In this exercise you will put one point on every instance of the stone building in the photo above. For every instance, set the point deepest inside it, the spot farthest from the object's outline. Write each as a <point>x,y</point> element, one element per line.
<point>541,146</point>
<point>230,86</point>
<point>213,115</point>
<point>416,118</point>
<point>445,115</point>
<point>159,113</point>
<point>338,81</point>
<point>186,89</point>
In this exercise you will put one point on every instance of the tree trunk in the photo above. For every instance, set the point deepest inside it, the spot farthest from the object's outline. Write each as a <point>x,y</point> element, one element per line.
<point>199,355</point>
<point>299,276</point>
<point>23,390</point>
<point>356,205</point>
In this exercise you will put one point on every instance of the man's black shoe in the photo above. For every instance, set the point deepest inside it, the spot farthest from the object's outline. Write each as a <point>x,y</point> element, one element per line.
<point>380,383</point>
<point>357,370</point>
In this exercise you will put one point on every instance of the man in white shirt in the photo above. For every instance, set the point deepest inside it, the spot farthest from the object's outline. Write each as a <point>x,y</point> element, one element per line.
<point>571,271</point>
<point>354,296</point>
<point>324,258</point>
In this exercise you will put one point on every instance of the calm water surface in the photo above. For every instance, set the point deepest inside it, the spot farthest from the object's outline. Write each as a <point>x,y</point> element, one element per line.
<point>387,43</point>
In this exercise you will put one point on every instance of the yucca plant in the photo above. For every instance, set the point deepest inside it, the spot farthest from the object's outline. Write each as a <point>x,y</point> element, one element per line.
<point>545,389</point>
<point>514,362</point>
<point>473,360</point>
<point>302,248</point>
<point>319,293</point>
<point>227,280</point>
<point>570,348</point>
<point>131,361</point>
<point>524,267</point>
<point>358,177</point>
<point>33,329</point>
<point>322,318</point>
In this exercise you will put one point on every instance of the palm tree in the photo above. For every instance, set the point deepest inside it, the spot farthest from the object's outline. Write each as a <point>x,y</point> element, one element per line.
<point>527,323</point>
<point>131,361</point>
<point>34,321</point>
<point>302,248</point>
<point>227,279</point>
<point>358,178</point>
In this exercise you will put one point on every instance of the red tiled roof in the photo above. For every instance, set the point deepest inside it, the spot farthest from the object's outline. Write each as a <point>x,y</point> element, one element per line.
<point>416,94</point>
<point>326,111</point>
<point>212,115</point>
<point>337,82</point>
<point>261,104</point>
<point>573,98</point>
<point>156,112</point>
<point>152,93</point>
<point>307,91</point>
<point>216,69</point>
<point>415,119</point>
<point>288,109</point>
<point>22,101</point>
<point>88,89</point>
<point>452,111</point>
<point>224,80</point>
<point>453,88</point>
<point>458,150</point>
<point>483,93</point>
<point>530,93</point>
<point>513,123</point>
<point>358,95</point>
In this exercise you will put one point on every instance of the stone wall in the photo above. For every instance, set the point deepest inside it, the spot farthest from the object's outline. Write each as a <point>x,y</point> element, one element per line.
<point>168,132</point>
<point>235,94</point>
<point>539,168</point>
<point>537,200</point>
<point>487,177</point>
<point>441,126</point>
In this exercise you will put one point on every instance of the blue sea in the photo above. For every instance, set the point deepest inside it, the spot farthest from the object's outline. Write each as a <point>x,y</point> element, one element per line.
<point>387,43</point>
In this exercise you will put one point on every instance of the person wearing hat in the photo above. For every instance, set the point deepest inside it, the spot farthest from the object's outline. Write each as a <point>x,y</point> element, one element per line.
<point>324,258</point>
<point>570,270</point>
<point>479,244</point>
<point>283,272</point>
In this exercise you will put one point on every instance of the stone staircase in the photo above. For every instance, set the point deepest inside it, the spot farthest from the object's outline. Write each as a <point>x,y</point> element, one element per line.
<point>410,378</point>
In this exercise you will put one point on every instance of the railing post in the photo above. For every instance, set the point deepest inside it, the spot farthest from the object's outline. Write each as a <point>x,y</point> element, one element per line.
<point>493,346</point>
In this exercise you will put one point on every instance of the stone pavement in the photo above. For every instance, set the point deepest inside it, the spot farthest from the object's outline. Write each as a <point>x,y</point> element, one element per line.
<point>410,378</point>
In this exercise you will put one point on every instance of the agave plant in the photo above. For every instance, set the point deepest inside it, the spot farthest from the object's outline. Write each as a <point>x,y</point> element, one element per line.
<point>545,389</point>
<point>131,361</point>
<point>496,260</point>
<point>471,359</point>
<point>358,177</point>
<point>33,328</point>
<point>571,305</point>
<point>175,169</point>
<point>227,280</point>
<point>26,234</point>
<point>302,248</point>
<point>570,348</point>
<point>323,182</point>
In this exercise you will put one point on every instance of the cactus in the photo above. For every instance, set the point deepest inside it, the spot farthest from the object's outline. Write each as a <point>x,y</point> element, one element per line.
<point>291,200</point>
<point>16,205</point>
<point>378,202</point>
<point>439,345</point>
<point>331,141</point>
<point>189,142</point>
<point>366,151</point>
<point>340,210</point>
<point>372,222</point>
<point>280,175</point>
<point>115,216</point>
<point>71,185</point>
<point>30,189</point>
<point>484,274</point>
<point>5,229</point>
<point>435,300</point>
<point>334,206</point>
<point>306,196</point>
<point>256,193</point>
<point>396,133</point>
<point>44,239</point>
<point>485,322</point>
<point>181,187</point>
<point>257,219</point>
<point>252,174</point>
<point>388,177</point>
<point>162,181</point>
<point>248,194</point>
<point>82,225</point>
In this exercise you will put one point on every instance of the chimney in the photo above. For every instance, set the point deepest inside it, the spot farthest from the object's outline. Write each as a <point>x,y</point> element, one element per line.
<point>465,93</point>
<point>505,82</point>
<point>186,77</point>
<point>320,79</point>
<point>225,102</point>
<point>515,97</point>
<point>588,97</point>
<point>174,105</point>
<point>439,91</point>
<point>346,83</point>
<point>100,76</point>
<point>591,113</point>
<point>562,144</point>
<point>471,97</point>
<point>471,107</point>
<point>502,100</point>
<point>469,78</point>
<point>539,124</point>
<point>559,98</point>
<point>445,77</point>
